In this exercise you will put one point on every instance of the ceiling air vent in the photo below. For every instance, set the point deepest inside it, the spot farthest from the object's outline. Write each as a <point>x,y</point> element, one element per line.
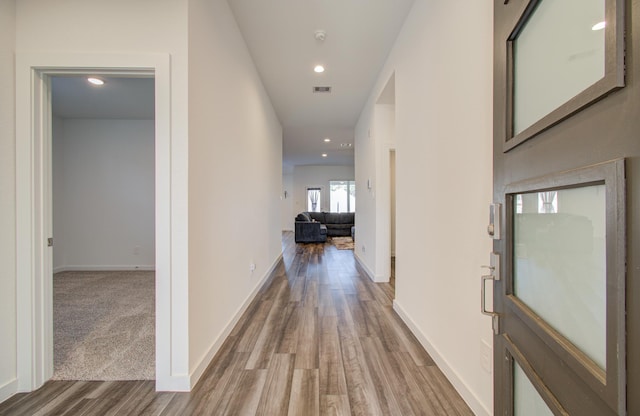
<point>321,90</point>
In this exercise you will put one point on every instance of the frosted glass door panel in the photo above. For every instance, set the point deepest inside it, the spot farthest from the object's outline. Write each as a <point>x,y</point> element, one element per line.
<point>560,263</point>
<point>526,400</point>
<point>559,53</point>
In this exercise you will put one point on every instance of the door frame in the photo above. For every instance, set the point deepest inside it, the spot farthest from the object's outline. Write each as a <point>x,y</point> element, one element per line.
<point>33,205</point>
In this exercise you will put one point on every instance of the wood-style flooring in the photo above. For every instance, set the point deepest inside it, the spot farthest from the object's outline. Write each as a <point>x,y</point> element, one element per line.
<point>319,339</point>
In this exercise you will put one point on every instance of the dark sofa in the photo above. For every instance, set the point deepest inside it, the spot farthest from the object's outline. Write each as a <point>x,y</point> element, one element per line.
<point>315,227</point>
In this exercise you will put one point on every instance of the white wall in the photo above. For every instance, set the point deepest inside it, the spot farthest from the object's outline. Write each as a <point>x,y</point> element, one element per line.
<point>374,143</point>
<point>287,213</point>
<point>235,179</point>
<point>7,202</point>
<point>442,61</point>
<point>315,175</point>
<point>107,32</point>
<point>103,194</point>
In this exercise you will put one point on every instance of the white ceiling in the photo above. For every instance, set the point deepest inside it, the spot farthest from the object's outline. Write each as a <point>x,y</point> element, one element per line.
<point>280,38</point>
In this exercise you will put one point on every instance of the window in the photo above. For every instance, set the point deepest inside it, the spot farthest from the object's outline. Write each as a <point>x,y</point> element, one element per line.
<point>540,202</point>
<point>314,199</point>
<point>342,196</point>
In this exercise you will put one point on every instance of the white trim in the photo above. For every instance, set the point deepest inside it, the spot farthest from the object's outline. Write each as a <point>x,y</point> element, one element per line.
<point>8,389</point>
<point>472,400</point>
<point>208,356</point>
<point>150,267</point>
<point>377,278</point>
<point>33,259</point>
<point>364,266</point>
<point>176,382</point>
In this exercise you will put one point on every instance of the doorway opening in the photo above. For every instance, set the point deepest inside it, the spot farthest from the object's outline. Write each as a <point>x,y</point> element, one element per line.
<point>34,218</point>
<point>103,204</point>
<point>385,128</point>
<point>392,210</point>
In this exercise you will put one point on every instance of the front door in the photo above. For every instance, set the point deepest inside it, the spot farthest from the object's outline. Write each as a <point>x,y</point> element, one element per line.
<point>567,207</point>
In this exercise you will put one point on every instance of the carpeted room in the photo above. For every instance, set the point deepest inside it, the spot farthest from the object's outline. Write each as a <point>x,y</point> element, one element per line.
<point>103,225</point>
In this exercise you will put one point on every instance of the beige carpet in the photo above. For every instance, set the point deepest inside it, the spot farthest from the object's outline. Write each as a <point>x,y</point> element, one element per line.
<point>342,243</point>
<point>104,325</point>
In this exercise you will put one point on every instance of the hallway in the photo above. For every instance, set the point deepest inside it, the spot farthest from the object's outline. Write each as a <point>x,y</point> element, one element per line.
<point>319,338</point>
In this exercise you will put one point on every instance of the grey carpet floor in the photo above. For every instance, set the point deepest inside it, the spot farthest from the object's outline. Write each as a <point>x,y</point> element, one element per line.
<point>104,325</point>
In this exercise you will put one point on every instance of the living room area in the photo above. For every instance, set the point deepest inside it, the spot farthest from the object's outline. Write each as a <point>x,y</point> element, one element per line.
<point>320,190</point>
<point>319,206</point>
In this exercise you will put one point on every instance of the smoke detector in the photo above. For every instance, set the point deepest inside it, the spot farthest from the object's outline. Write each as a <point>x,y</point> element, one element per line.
<point>320,35</point>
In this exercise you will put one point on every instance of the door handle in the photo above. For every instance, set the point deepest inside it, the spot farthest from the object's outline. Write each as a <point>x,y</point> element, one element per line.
<point>483,306</point>
<point>494,275</point>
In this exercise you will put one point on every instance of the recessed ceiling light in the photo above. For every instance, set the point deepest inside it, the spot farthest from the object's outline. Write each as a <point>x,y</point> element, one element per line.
<point>324,155</point>
<point>599,26</point>
<point>95,81</point>
<point>327,140</point>
<point>346,145</point>
<point>318,69</point>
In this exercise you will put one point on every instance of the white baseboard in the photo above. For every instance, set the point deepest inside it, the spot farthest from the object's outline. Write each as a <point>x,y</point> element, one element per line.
<point>374,278</point>
<point>366,269</point>
<point>102,268</point>
<point>467,395</point>
<point>8,389</point>
<point>206,359</point>
<point>179,383</point>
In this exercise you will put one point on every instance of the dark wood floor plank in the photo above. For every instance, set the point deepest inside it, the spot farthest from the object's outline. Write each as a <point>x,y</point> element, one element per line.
<point>272,329</point>
<point>288,340</point>
<point>251,384</point>
<point>305,393</point>
<point>70,396</point>
<point>142,400</point>
<point>360,320</point>
<point>345,280</point>
<point>135,394</point>
<point>297,285</point>
<point>332,378</point>
<point>320,338</point>
<point>277,390</point>
<point>214,373</point>
<point>379,326</point>
<point>413,394</point>
<point>326,306</point>
<point>453,403</point>
<point>365,399</point>
<point>310,297</point>
<point>409,343</point>
<point>334,405</point>
<point>420,390</point>
<point>27,404</point>
<point>111,399</point>
<point>389,383</point>
<point>216,400</point>
<point>177,404</point>
<point>252,331</point>
<point>307,348</point>
<point>154,407</point>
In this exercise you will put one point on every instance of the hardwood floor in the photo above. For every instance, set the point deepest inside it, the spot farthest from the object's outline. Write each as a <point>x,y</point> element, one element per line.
<point>319,339</point>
